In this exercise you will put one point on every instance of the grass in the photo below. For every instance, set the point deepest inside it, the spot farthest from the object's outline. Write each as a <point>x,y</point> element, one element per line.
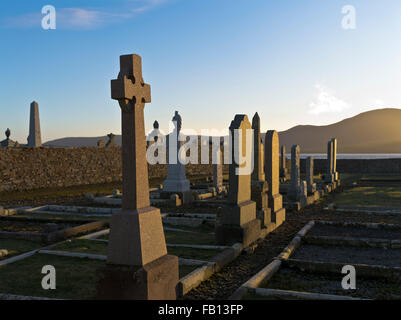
<point>189,238</point>
<point>370,197</point>
<point>192,253</point>
<point>52,193</point>
<point>176,237</point>
<point>83,246</point>
<point>204,228</point>
<point>98,247</point>
<point>388,178</point>
<point>62,217</point>
<point>73,191</point>
<point>75,278</point>
<point>16,247</point>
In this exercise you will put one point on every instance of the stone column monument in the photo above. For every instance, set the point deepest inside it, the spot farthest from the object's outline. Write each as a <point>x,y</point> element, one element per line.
<point>273,177</point>
<point>335,173</point>
<point>311,186</point>
<point>283,164</point>
<point>332,174</point>
<point>238,222</point>
<point>294,191</point>
<point>34,138</point>
<point>138,266</point>
<point>176,181</point>
<point>259,183</point>
<point>218,170</point>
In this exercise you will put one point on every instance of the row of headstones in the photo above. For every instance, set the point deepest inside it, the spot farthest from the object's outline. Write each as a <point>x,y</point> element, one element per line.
<point>138,266</point>
<point>254,201</point>
<point>298,188</point>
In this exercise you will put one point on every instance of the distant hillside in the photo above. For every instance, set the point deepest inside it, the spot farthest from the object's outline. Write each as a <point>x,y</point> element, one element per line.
<point>377,131</point>
<point>80,142</point>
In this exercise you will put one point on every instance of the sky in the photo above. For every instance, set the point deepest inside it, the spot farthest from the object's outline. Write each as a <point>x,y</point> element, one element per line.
<point>293,62</point>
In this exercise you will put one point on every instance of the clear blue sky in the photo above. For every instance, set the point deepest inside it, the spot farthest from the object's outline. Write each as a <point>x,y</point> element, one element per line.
<point>289,60</point>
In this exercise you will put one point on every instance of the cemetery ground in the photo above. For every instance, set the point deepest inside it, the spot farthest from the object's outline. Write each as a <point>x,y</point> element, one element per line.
<point>362,202</point>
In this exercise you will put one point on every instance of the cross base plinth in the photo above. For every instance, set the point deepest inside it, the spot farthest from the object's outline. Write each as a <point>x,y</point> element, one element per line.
<point>157,280</point>
<point>136,237</point>
<point>246,234</point>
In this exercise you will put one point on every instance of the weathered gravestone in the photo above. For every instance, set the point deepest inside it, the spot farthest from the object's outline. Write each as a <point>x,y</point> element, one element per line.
<point>273,177</point>
<point>259,183</point>
<point>311,186</point>
<point>138,266</point>
<point>294,191</point>
<point>335,173</point>
<point>283,164</point>
<point>331,174</point>
<point>238,222</point>
<point>34,138</point>
<point>176,181</point>
<point>303,192</point>
<point>217,169</point>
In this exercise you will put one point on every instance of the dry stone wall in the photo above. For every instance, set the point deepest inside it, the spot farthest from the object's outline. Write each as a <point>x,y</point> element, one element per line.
<point>35,168</point>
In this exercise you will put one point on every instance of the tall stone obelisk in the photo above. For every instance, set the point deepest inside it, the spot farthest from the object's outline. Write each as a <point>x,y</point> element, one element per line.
<point>34,138</point>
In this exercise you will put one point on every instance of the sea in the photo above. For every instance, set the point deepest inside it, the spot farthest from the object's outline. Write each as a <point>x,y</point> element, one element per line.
<point>351,156</point>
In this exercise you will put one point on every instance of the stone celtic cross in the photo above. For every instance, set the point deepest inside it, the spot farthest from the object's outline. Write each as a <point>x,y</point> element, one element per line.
<point>132,94</point>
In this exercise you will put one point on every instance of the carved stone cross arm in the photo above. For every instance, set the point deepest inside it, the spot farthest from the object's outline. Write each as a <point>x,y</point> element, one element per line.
<point>129,88</point>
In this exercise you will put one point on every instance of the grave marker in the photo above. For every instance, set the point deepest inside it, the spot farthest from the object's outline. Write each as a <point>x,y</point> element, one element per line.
<point>294,191</point>
<point>311,186</point>
<point>34,138</point>
<point>138,266</point>
<point>218,170</point>
<point>273,177</point>
<point>283,164</point>
<point>259,183</point>
<point>238,222</point>
<point>332,174</point>
<point>176,181</point>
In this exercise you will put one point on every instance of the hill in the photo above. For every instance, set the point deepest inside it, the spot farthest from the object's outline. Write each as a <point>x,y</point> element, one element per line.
<point>377,131</point>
